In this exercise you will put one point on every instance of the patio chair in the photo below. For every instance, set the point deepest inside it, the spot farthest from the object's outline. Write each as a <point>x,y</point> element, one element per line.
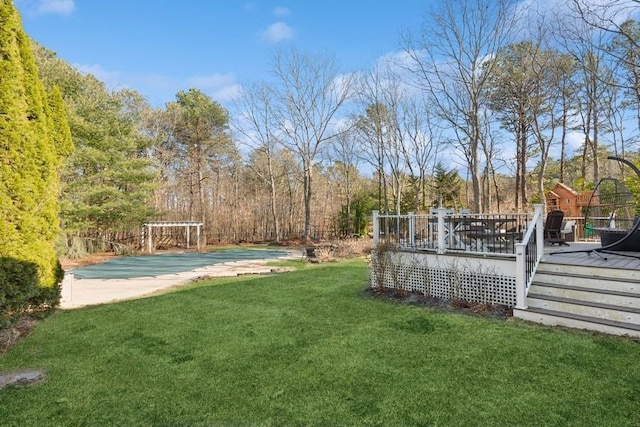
<point>553,228</point>
<point>568,230</point>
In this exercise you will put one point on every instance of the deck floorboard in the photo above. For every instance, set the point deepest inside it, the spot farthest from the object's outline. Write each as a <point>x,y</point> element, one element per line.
<point>569,256</point>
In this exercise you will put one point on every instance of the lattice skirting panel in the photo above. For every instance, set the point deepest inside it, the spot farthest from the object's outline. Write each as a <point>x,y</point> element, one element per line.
<point>455,282</point>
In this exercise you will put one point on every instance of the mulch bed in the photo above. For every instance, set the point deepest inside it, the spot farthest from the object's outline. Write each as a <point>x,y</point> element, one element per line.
<point>459,306</point>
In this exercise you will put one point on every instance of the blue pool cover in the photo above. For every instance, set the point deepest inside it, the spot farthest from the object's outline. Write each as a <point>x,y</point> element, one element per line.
<point>155,265</point>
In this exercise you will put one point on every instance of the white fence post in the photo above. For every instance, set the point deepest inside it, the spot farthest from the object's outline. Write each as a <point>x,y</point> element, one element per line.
<point>521,274</point>
<point>539,210</point>
<point>441,234</point>
<point>412,229</point>
<point>376,227</point>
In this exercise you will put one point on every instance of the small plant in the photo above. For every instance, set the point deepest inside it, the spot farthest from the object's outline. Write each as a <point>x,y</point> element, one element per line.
<point>381,263</point>
<point>353,247</point>
<point>324,253</point>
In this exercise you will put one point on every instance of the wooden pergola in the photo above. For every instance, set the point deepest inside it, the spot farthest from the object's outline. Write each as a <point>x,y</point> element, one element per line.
<point>186,224</point>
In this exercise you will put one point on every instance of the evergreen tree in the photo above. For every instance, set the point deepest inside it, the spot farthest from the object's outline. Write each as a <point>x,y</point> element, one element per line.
<point>447,186</point>
<point>28,173</point>
<point>108,181</point>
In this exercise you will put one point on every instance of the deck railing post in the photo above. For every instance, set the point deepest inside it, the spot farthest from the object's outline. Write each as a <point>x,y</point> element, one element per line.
<point>412,229</point>
<point>521,286</point>
<point>522,275</point>
<point>440,248</point>
<point>376,227</point>
<point>539,213</point>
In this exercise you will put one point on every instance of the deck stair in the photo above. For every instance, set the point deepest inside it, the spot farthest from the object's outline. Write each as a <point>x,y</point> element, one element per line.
<point>594,298</point>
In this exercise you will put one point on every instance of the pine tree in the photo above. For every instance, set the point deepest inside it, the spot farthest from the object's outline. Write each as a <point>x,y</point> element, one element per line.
<point>29,163</point>
<point>108,182</point>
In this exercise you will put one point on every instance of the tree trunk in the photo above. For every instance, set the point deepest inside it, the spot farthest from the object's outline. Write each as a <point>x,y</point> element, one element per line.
<point>203,209</point>
<point>307,201</point>
<point>274,209</point>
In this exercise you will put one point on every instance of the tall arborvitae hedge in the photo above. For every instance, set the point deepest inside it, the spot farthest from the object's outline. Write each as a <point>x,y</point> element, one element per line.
<point>34,135</point>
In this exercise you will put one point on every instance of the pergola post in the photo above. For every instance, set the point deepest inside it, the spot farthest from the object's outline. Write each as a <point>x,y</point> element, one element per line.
<point>188,224</point>
<point>149,238</point>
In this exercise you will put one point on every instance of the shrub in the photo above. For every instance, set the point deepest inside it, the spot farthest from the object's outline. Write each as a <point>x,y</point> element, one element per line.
<point>353,247</point>
<point>20,291</point>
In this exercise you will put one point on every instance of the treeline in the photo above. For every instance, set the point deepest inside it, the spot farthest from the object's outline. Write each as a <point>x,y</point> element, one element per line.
<point>518,103</point>
<point>487,105</point>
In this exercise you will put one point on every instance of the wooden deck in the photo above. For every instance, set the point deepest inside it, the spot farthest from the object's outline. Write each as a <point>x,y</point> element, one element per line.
<point>564,255</point>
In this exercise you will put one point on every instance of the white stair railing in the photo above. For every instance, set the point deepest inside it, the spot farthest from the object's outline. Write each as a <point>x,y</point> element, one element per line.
<point>528,255</point>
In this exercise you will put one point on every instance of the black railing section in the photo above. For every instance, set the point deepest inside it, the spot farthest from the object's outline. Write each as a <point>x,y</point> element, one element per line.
<point>484,233</point>
<point>530,258</point>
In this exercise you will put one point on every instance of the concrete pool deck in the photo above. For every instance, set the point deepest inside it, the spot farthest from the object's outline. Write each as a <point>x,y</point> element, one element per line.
<point>77,293</point>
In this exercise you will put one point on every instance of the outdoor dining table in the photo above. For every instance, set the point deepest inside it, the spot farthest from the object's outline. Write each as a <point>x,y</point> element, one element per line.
<point>485,234</point>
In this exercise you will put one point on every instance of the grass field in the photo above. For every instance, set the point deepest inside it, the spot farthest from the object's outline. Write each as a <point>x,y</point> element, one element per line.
<point>311,348</point>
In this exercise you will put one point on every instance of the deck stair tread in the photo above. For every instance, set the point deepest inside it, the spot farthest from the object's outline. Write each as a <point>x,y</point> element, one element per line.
<point>583,318</point>
<point>602,276</point>
<point>585,303</point>
<point>585,289</point>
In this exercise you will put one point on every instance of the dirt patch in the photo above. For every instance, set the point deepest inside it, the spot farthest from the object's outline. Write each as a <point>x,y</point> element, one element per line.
<point>69,264</point>
<point>459,306</point>
<point>11,335</point>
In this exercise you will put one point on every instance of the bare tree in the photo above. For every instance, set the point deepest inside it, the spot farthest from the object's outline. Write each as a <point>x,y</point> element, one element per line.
<point>420,145</point>
<point>383,132</point>
<point>372,128</point>
<point>310,93</point>
<point>526,92</point>
<point>447,59</point>
<point>610,63</point>
<point>593,80</point>
<point>257,126</point>
<point>344,152</point>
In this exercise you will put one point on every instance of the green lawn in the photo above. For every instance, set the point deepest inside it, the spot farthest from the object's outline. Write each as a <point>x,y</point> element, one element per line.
<point>310,348</point>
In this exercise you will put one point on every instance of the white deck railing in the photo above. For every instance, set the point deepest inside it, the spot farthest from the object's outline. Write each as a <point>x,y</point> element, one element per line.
<point>443,232</point>
<point>516,235</point>
<point>528,255</point>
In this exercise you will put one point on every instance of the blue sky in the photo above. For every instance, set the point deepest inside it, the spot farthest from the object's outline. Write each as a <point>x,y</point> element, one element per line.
<point>158,47</point>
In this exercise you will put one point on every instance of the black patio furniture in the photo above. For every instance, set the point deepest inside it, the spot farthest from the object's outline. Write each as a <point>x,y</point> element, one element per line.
<point>553,228</point>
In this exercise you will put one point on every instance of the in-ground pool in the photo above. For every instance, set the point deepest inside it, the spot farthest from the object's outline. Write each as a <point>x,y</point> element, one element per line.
<point>155,265</point>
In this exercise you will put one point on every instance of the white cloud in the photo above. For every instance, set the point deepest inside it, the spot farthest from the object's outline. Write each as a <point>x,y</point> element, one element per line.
<point>60,7</point>
<point>575,140</point>
<point>221,87</point>
<point>111,79</point>
<point>228,93</point>
<point>602,12</point>
<point>281,11</point>
<point>277,32</point>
